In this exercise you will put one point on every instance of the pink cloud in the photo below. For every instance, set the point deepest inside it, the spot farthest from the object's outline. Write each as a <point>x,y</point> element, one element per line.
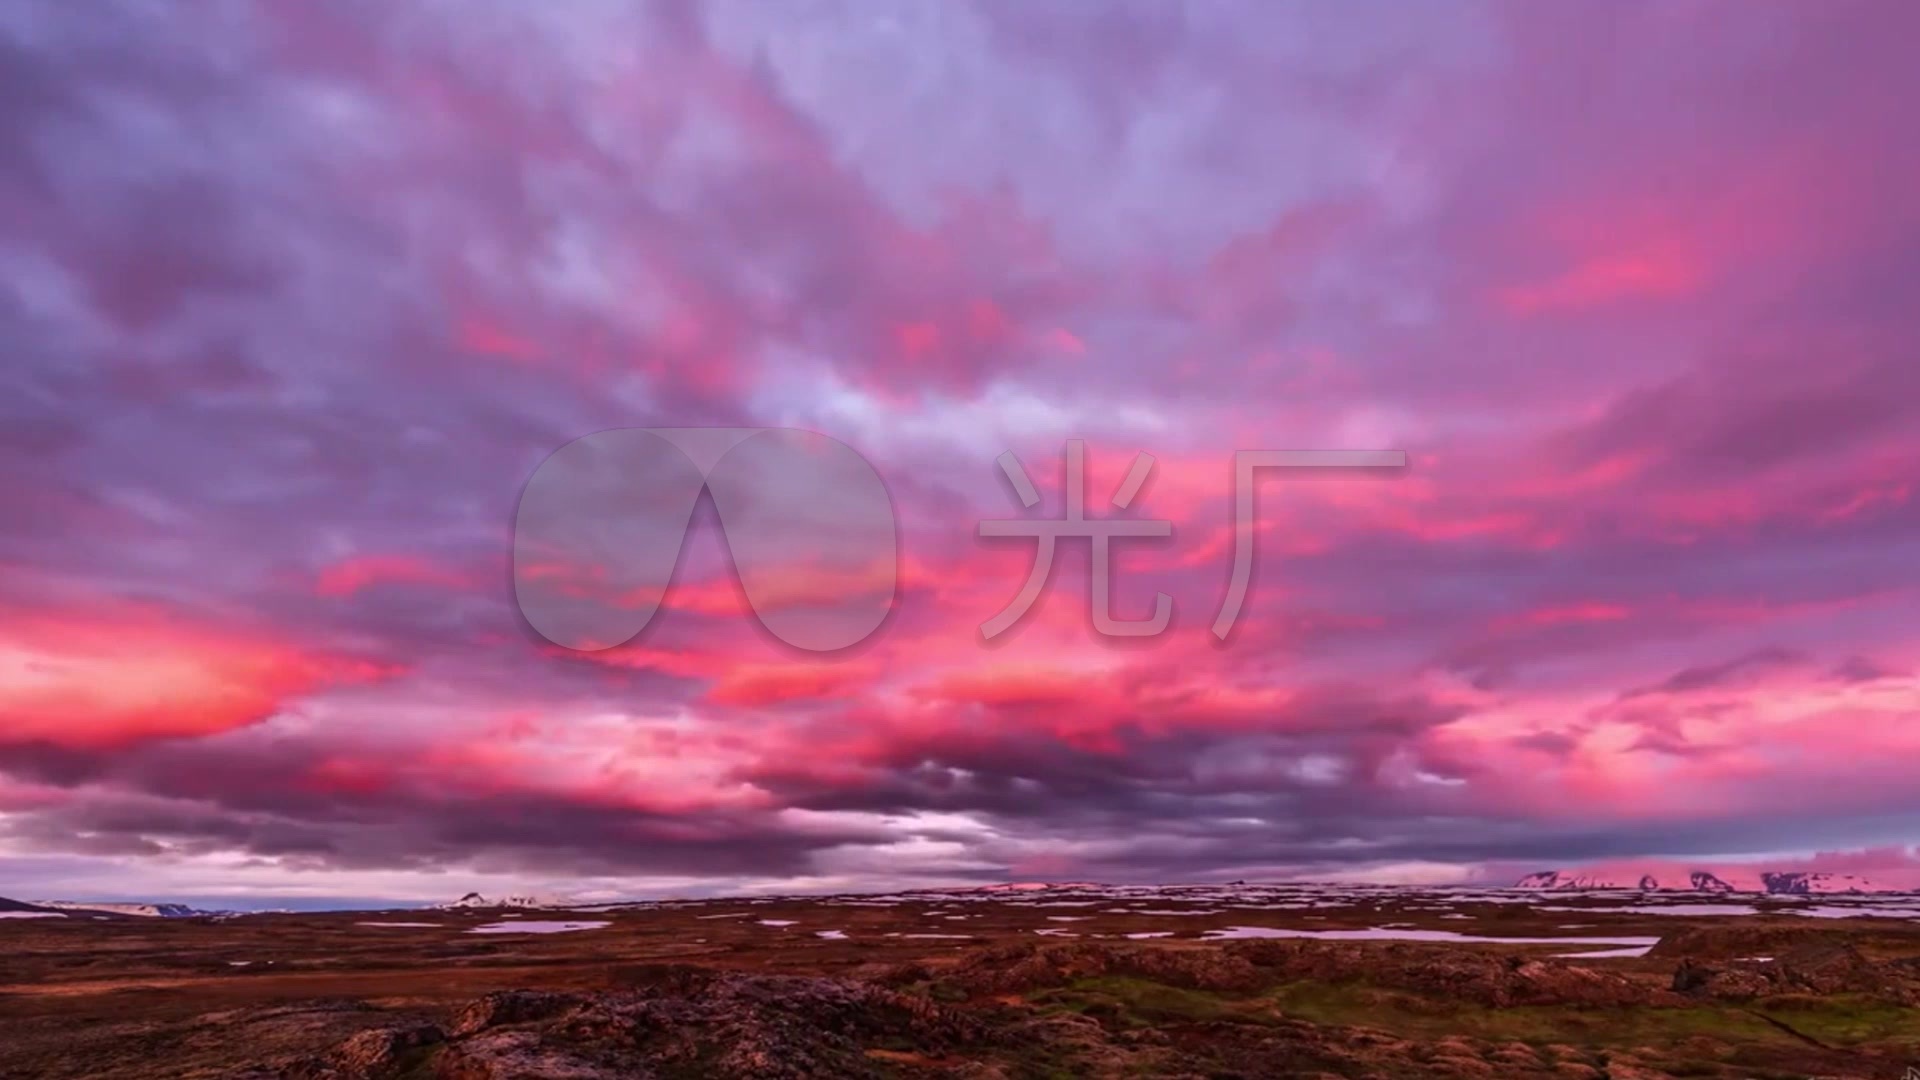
<point>351,575</point>
<point>1646,335</point>
<point>117,674</point>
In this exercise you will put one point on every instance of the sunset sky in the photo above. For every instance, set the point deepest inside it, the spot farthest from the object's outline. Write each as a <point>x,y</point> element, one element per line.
<point>296,297</point>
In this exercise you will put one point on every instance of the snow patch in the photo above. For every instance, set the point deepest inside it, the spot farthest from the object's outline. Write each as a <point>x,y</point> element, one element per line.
<point>539,926</point>
<point>1380,933</point>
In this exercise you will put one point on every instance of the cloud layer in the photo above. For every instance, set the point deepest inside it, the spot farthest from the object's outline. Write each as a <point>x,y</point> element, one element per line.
<point>297,298</point>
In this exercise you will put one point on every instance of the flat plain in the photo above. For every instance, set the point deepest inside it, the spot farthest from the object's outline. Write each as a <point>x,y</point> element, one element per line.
<point>1061,981</point>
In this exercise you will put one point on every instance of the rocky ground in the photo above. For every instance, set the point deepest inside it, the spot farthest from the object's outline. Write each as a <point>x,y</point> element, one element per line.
<point>1010,986</point>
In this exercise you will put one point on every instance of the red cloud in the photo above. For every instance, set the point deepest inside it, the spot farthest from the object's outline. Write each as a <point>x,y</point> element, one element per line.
<point>1559,614</point>
<point>1607,279</point>
<point>1066,341</point>
<point>1015,686</point>
<point>349,576</point>
<point>111,678</point>
<point>486,338</point>
<point>750,685</point>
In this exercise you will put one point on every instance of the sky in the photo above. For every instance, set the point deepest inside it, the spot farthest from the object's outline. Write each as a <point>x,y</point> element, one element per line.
<point>296,298</point>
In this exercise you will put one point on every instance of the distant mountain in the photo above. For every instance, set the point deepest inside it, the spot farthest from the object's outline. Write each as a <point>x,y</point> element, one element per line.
<point>1555,879</point>
<point>21,907</point>
<point>1814,884</point>
<point>1771,883</point>
<point>475,900</point>
<point>145,911</point>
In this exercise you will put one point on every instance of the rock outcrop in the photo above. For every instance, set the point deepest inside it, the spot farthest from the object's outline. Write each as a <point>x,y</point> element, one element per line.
<point>1178,1012</point>
<point>1816,969</point>
<point>754,1027</point>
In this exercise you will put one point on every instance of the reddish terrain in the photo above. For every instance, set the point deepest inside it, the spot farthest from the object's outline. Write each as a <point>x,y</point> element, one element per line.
<point>1047,983</point>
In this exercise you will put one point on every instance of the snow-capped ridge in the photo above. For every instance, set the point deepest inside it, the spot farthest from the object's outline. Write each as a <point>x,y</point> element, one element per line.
<point>475,900</point>
<point>1769,882</point>
<point>1704,881</point>
<point>144,911</point>
<point>1804,883</point>
<point>1558,880</point>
